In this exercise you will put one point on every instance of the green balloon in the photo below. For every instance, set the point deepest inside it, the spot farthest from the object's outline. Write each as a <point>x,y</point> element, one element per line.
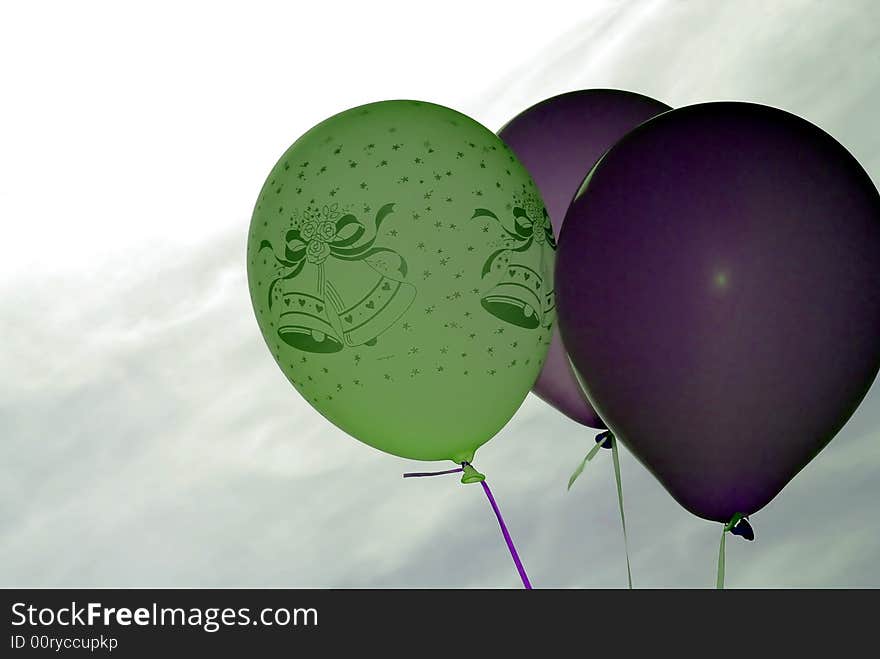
<point>400,264</point>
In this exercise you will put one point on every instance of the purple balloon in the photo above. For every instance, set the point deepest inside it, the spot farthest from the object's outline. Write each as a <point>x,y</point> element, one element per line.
<point>732,324</point>
<point>559,140</point>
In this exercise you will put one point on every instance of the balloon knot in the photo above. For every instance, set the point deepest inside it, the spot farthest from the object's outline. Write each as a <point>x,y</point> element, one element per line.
<point>467,471</point>
<point>470,475</point>
<point>739,525</point>
<point>604,439</point>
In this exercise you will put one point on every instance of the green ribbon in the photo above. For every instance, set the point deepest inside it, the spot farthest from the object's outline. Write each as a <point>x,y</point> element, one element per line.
<point>620,505</point>
<point>719,581</point>
<point>616,460</point>
<point>580,469</point>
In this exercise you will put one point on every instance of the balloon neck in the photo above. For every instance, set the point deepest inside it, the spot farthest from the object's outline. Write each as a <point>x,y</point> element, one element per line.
<point>470,475</point>
<point>605,439</point>
<point>739,525</point>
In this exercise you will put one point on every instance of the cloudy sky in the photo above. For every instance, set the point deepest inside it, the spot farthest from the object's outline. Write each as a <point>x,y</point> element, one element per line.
<point>147,437</point>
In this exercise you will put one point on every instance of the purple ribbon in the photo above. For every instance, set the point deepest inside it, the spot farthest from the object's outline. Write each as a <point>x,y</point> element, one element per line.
<point>513,553</point>
<point>519,566</point>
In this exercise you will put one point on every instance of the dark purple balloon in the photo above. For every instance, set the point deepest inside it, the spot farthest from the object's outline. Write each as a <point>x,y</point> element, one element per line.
<point>729,325</point>
<point>559,140</point>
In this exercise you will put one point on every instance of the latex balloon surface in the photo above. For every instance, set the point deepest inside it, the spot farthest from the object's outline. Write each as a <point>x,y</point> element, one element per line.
<point>730,324</point>
<point>400,264</point>
<point>559,140</point>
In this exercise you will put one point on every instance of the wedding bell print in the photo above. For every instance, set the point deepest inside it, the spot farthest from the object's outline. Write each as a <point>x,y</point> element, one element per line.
<point>521,294</point>
<point>304,321</point>
<point>332,286</point>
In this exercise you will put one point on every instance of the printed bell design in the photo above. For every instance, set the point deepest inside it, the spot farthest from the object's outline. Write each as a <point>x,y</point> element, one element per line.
<point>328,292</point>
<point>520,297</point>
<point>517,298</point>
<point>366,301</point>
<point>304,320</point>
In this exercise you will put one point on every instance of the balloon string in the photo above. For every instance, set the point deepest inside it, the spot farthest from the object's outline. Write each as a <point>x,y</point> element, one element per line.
<point>616,460</point>
<point>746,532</point>
<point>516,561</point>
<point>507,539</point>
<point>577,472</point>
<point>421,474</point>
<point>608,440</point>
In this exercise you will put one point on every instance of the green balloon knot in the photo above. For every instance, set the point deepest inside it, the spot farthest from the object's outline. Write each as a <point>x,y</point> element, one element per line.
<point>471,475</point>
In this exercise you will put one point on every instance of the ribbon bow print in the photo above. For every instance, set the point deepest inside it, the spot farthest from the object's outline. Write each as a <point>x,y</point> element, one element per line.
<point>521,228</point>
<point>323,234</point>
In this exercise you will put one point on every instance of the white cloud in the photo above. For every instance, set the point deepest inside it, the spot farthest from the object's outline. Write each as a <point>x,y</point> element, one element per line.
<point>149,439</point>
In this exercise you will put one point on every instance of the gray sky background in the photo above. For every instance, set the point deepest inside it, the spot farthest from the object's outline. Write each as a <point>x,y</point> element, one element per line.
<point>147,437</point>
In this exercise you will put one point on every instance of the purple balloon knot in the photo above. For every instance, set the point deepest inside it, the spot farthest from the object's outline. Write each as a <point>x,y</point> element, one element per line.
<point>605,438</point>
<point>743,529</point>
